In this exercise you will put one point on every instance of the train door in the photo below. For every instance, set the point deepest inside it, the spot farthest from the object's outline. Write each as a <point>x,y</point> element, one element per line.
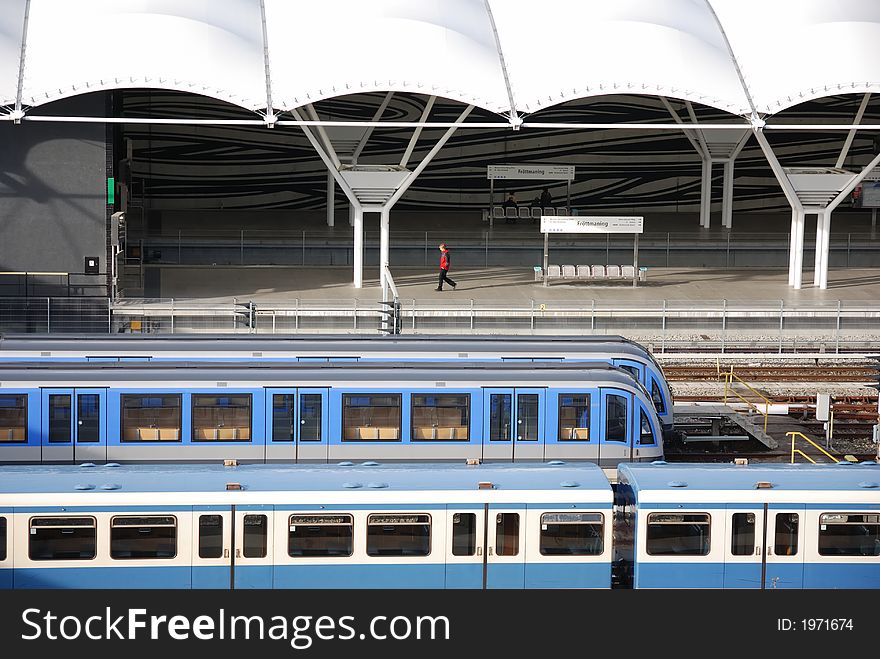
<point>297,425</point>
<point>6,544</point>
<point>74,425</point>
<point>252,547</point>
<point>616,434</point>
<point>513,424</point>
<point>506,548</point>
<point>744,545</point>
<point>466,547</point>
<point>212,547</point>
<point>784,558</point>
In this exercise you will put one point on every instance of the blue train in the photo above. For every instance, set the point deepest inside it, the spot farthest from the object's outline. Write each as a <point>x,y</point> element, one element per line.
<point>325,411</point>
<point>537,525</point>
<point>615,350</point>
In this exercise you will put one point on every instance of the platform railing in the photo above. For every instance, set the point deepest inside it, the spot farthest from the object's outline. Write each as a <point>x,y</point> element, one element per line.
<point>795,434</point>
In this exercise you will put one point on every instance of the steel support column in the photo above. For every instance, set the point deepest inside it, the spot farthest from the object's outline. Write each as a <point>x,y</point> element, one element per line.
<point>727,196</point>
<point>384,248</point>
<point>706,193</point>
<point>358,260</point>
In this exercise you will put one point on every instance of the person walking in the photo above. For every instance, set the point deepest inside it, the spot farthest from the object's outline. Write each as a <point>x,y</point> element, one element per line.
<point>444,269</point>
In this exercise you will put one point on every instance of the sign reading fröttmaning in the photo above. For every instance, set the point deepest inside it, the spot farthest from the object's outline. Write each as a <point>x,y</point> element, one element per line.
<point>548,172</point>
<point>591,224</point>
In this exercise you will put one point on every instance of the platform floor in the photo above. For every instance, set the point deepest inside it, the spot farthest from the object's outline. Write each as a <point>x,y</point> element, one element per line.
<point>513,285</point>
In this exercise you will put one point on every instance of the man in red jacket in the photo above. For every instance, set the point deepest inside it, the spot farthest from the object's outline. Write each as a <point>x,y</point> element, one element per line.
<point>444,268</point>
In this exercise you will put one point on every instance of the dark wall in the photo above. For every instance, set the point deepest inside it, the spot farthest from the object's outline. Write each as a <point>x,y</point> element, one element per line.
<point>53,190</point>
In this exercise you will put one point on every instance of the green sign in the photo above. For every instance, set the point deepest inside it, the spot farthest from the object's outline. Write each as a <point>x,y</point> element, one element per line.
<point>111,191</point>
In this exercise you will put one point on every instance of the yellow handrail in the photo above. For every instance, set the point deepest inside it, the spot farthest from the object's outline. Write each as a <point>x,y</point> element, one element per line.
<point>795,434</point>
<point>728,386</point>
<point>803,454</point>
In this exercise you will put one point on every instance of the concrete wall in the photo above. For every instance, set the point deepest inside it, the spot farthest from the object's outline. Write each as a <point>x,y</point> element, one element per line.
<point>53,191</point>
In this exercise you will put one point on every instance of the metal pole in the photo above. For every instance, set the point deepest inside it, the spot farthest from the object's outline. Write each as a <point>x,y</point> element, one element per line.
<point>546,255</point>
<point>781,316</point>
<point>592,316</point>
<point>848,237</point>
<point>384,249</point>
<point>723,323</point>
<point>178,247</point>
<point>172,315</point>
<point>48,315</point>
<point>635,260</point>
<point>486,251</point>
<point>706,193</point>
<point>667,249</point>
<point>331,199</point>
<point>873,220</point>
<point>303,247</point>
<point>837,330</point>
<point>358,247</point>
<point>568,195</point>
<point>663,348</point>
<point>241,247</point>
<point>426,249</point>
<point>607,247</point>
<point>491,202</point>
<point>728,251</point>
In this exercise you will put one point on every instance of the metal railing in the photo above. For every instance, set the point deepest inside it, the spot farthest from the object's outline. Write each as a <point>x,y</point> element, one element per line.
<point>794,434</point>
<point>729,378</point>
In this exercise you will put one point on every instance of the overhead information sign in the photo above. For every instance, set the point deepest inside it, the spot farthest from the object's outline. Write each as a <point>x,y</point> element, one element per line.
<point>546,172</point>
<point>591,224</point>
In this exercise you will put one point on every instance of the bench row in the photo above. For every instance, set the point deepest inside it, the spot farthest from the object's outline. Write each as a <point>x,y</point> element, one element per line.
<point>590,272</point>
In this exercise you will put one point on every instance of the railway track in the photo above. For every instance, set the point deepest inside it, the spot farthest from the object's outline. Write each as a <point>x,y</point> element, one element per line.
<point>774,373</point>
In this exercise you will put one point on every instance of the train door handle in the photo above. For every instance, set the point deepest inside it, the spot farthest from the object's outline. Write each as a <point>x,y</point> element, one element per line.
<point>79,423</point>
<point>758,550</point>
<point>238,553</point>
<point>490,551</point>
<point>479,551</point>
<point>226,553</point>
<point>302,422</point>
<point>769,550</point>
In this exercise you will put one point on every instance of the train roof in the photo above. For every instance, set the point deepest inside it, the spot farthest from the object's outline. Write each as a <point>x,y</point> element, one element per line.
<point>149,345</point>
<point>343,477</point>
<point>270,372</point>
<point>706,482</point>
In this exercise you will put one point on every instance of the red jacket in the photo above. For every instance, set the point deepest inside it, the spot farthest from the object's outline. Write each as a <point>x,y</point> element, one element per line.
<point>444,260</point>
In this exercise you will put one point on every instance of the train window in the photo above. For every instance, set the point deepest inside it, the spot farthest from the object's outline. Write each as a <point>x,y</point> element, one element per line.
<point>632,370</point>
<point>13,418</point>
<point>59,418</point>
<point>464,534</point>
<point>88,417</point>
<point>310,412</point>
<point>507,534</point>
<point>150,417</point>
<point>256,534</point>
<point>283,423</point>
<point>499,417</point>
<point>572,534</point>
<point>320,535</point>
<point>210,536</point>
<point>441,417</point>
<point>134,538</point>
<point>849,534</point>
<point>221,418</point>
<point>2,538</point>
<point>527,417</point>
<point>615,418</point>
<point>742,541</point>
<point>371,417</point>
<point>398,534</point>
<point>62,538</point>
<point>657,397</point>
<point>678,534</point>
<point>786,534</point>
<point>574,417</point>
<point>646,434</point>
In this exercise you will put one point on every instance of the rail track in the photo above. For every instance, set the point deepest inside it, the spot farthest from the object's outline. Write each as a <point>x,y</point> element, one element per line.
<point>843,373</point>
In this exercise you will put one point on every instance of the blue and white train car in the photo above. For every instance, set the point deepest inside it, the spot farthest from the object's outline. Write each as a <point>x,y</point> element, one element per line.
<point>612,349</point>
<point>305,526</point>
<point>324,412</point>
<point>750,526</point>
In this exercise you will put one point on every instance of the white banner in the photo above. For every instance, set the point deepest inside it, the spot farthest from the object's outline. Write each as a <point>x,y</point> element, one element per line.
<point>546,172</point>
<point>591,224</point>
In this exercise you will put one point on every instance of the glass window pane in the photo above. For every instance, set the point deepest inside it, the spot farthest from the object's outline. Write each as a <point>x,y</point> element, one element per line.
<point>59,418</point>
<point>657,397</point>
<point>151,417</point>
<point>507,534</point>
<point>646,434</point>
<point>88,412</point>
<point>283,417</point>
<point>632,370</point>
<point>371,417</point>
<point>134,538</point>
<point>221,418</point>
<point>320,535</point>
<point>527,417</point>
<point>574,417</point>
<point>444,417</point>
<point>407,534</point>
<point>849,534</point>
<point>615,418</point>
<point>255,536</point>
<point>13,418</point>
<point>464,534</point>
<point>742,542</point>
<point>2,538</point>
<point>62,539</point>
<point>786,534</point>
<point>210,536</point>
<point>572,534</point>
<point>678,534</point>
<point>499,417</point>
<point>310,412</point>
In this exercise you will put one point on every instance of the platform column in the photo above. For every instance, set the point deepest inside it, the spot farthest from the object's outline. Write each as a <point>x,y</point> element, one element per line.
<point>331,199</point>
<point>792,246</point>
<point>358,247</point>
<point>706,194</point>
<point>799,250</point>
<point>727,196</point>
<point>384,247</point>
<point>823,244</point>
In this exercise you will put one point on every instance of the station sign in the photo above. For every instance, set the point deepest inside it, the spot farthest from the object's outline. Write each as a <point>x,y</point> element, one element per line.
<point>531,172</point>
<point>591,224</point>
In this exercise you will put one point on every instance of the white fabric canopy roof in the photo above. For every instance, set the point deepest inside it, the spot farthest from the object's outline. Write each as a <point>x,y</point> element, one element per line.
<point>507,56</point>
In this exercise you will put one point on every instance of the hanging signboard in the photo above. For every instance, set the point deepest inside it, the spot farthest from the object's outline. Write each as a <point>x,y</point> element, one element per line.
<point>532,172</point>
<point>591,224</point>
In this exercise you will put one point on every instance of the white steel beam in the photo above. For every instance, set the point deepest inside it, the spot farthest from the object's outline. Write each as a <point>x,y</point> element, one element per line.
<point>331,199</point>
<point>22,57</point>
<point>678,120</point>
<point>852,133</point>
<point>376,117</point>
<point>418,131</point>
<point>324,138</point>
<point>358,260</point>
<point>384,248</point>
<point>706,193</point>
